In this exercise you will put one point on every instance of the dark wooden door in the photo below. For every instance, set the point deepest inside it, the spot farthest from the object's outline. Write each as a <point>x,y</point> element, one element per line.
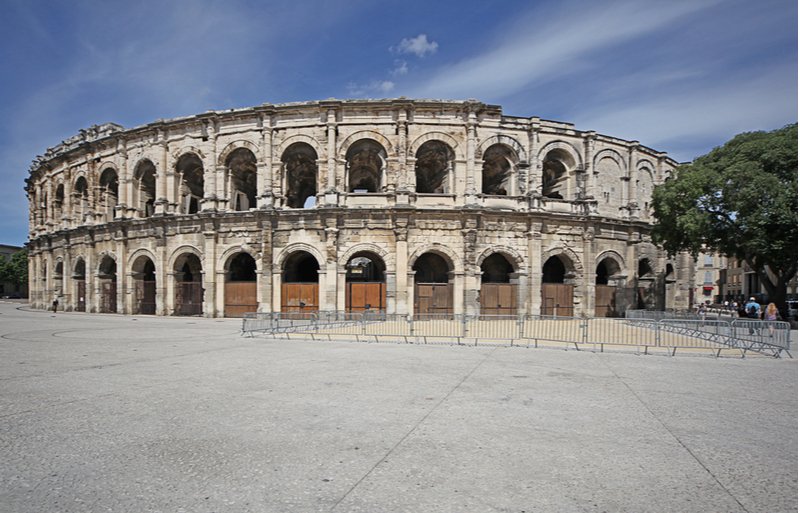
<point>498,299</point>
<point>188,298</point>
<point>240,298</point>
<point>80,305</point>
<point>433,298</point>
<point>300,297</point>
<point>362,296</point>
<point>145,297</point>
<point>604,302</point>
<point>557,299</point>
<point>108,296</point>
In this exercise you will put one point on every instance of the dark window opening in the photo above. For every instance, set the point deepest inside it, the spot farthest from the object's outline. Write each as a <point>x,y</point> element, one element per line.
<point>496,269</point>
<point>554,271</point>
<point>431,268</point>
<point>301,267</point>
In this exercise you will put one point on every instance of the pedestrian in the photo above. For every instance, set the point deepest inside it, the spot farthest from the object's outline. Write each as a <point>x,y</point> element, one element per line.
<point>55,304</point>
<point>771,316</point>
<point>753,312</point>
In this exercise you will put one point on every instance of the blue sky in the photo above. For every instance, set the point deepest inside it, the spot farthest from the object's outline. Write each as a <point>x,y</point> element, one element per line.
<point>678,76</point>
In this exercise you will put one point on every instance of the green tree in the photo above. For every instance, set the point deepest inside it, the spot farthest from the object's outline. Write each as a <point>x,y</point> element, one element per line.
<point>15,269</point>
<point>739,200</point>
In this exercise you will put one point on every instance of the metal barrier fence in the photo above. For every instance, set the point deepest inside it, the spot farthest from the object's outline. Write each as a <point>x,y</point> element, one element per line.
<point>767,337</point>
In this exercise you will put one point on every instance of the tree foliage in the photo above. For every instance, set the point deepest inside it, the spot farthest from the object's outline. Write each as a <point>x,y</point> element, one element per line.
<point>15,269</point>
<point>739,200</point>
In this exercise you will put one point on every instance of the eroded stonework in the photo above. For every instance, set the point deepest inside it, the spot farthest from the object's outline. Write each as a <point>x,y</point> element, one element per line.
<point>397,205</point>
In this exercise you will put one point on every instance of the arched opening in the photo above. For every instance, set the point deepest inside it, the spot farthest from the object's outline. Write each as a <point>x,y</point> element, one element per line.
<point>59,202</point>
<point>498,286</point>
<point>80,195</point>
<point>557,293</point>
<point>188,272</point>
<point>365,283</point>
<point>605,291</point>
<point>109,193</point>
<point>555,173</point>
<point>58,278</point>
<point>365,166</point>
<point>300,175</point>
<point>300,287</point>
<point>646,290</point>
<point>499,162</point>
<point>433,168</point>
<point>433,287</point>
<point>144,285</point>
<point>144,188</point>
<point>107,276</point>
<point>79,277</point>
<point>190,181</point>
<point>241,164</point>
<point>240,286</point>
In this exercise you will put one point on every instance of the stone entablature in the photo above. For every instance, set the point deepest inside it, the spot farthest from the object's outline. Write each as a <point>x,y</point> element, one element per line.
<point>395,179</point>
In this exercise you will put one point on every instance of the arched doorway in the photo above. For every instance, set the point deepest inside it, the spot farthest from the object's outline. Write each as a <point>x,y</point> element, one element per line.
<point>107,277</point>
<point>433,290</point>
<point>366,162</point>
<point>188,274</point>
<point>144,280</point>
<point>433,168</point>
<point>498,293</point>
<point>497,175</point>
<point>300,175</point>
<point>300,287</point>
<point>240,286</point>
<point>556,293</point>
<point>365,283</point>
<point>605,292</point>
<point>79,277</point>
<point>241,164</point>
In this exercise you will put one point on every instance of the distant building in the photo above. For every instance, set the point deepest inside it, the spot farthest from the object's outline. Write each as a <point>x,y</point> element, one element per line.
<point>7,288</point>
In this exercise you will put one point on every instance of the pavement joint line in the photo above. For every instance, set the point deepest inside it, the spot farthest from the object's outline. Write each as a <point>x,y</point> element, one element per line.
<point>673,435</point>
<point>414,427</point>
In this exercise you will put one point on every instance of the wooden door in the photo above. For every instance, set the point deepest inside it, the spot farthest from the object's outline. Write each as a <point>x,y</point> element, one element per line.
<point>498,299</point>
<point>362,296</point>
<point>300,297</point>
<point>557,299</point>
<point>433,298</point>
<point>188,298</point>
<point>108,296</point>
<point>240,298</point>
<point>604,302</point>
<point>145,297</point>
<point>80,306</point>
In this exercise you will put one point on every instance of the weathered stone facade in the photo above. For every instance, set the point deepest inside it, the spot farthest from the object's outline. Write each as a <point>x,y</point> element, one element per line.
<point>401,192</point>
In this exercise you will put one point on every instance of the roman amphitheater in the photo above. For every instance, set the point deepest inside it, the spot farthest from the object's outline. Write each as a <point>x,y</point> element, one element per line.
<point>403,206</point>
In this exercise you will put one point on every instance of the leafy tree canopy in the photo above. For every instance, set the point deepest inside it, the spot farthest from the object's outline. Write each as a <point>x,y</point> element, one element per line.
<point>739,200</point>
<point>15,269</point>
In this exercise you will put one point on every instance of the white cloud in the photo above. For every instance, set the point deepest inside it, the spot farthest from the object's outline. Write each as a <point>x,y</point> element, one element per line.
<point>419,46</point>
<point>562,46</point>
<point>400,68</point>
<point>376,86</point>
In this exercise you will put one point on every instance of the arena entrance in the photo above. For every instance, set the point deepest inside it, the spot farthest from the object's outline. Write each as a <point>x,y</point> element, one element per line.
<point>240,286</point>
<point>144,279</point>
<point>433,292</point>
<point>365,287</point>
<point>107,277</point>
<point>498,294</point>
<point>300,287</point>
<point>80,286</point>
<point>556,294</point>
<point>188,285</point>
<point>605,304</point>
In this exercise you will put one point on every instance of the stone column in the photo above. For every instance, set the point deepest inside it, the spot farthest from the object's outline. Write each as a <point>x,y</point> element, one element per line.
<point>535,167</point>
<point>276,289</point>
<point>209,273</point>
<point>331,188</point>
<point>124,290</point>
<point>535,262</point>
<point>329,285</point>
<point>589,271</point>
<point>402,303</point>
<point>265,285</point>
<point>210,167</point>
<point>589,145</point>
<point>264,178</point>
<point>160,203</point>
<point>164,291</point>
<point>471,189</point>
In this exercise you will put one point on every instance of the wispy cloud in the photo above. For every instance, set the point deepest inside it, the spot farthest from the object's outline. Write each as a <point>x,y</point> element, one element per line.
<point>562,45</point>
<point>376,86</point>
<point>400,68</point>
<point>419,46</point>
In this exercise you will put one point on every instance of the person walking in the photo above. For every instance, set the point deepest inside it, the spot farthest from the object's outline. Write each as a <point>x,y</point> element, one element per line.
<point>753,312</point>
<point>771,316</point>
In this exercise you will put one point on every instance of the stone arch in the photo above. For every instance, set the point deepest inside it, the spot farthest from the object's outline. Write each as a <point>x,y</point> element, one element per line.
<point>355,137</point>
<point>241,175</point>
<point>145,175</point>
<point>299,173</point>
<point>144,275</point>
<point>570,259</point>
<point>223,263</point>
<point>434,163</point>
<point>108,278</point>
<point>187,277</point>
<point>189,180</point>
<point>366,247</point>
<point>441,250</point>
<point>141,252</point>
<point>280,259</point>
<point>232,146</point>
<point>505,140</point>
<point>179,152</point>
<point>618,259</point>
<point>436,136</point>
<point>181,251</point>
<point>614,155</point>
<point>564,146</point>
<point>300,138</point>
<point>559,162</point>
<point>500,170</point>
<point>366,166</point>
<point>511,254</point>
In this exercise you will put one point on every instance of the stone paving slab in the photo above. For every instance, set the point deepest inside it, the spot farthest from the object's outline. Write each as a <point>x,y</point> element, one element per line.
<point>115,413</point>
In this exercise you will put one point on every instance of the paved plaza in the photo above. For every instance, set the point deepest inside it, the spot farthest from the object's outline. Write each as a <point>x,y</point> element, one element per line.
<point>114,413</point>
